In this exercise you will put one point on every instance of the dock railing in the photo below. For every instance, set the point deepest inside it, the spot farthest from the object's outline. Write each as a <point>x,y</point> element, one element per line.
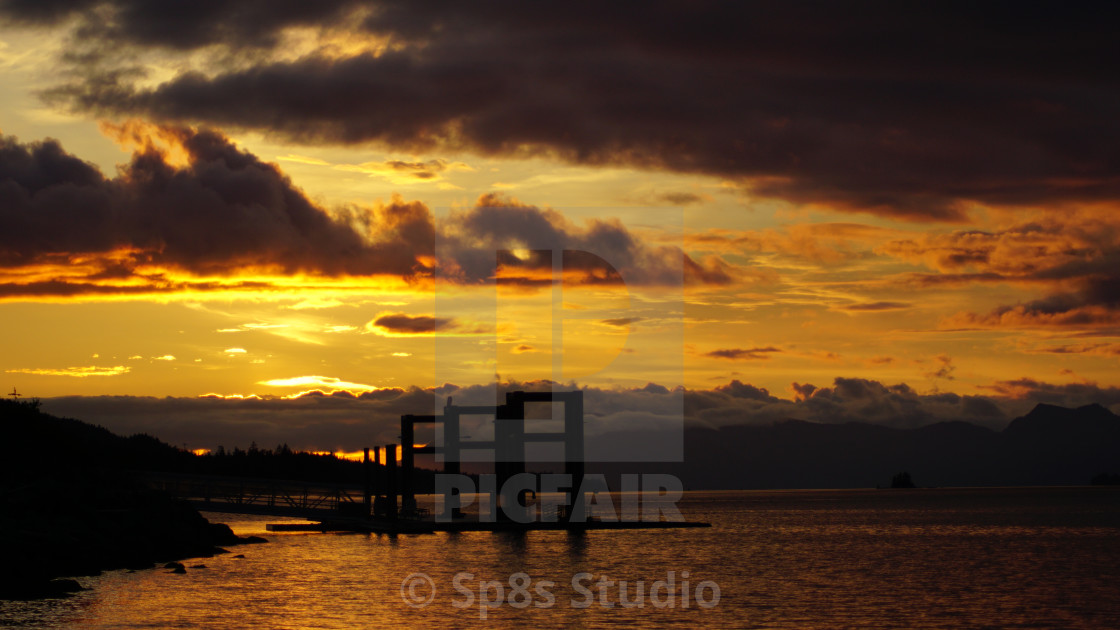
<point>260,496</point>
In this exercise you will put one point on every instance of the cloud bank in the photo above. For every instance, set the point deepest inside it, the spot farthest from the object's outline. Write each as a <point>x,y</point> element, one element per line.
<point>193,212</point>
<point>903,110</point>
<point>347,421</point>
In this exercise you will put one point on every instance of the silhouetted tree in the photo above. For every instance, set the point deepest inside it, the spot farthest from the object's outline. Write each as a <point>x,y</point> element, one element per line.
<point>902,480</point>
<point>1105,479</point>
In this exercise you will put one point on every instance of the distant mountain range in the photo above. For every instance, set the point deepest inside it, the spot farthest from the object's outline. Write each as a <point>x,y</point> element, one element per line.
<point>1051,445</point>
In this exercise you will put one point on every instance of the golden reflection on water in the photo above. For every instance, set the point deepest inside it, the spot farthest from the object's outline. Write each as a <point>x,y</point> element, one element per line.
<point>952,558</point>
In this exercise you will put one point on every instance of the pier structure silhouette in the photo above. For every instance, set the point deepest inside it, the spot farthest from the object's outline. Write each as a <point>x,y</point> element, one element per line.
<point>508,446</point>
<point>386,499</point>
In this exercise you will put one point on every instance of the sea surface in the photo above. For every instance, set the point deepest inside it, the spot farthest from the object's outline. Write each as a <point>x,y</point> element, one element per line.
<point>927,558</point>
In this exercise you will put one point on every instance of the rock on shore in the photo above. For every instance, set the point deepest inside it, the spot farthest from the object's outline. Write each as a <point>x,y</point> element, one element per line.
<point>52,529</point>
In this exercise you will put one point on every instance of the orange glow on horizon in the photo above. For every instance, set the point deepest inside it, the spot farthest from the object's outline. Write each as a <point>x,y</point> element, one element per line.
<point>350,456</point>
<point>83,279</point>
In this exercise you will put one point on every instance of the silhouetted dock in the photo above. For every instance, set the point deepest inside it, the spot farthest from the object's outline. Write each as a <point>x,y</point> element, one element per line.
<point>269,497</point>
<point>387,500</point>
<point>341,507</point>
<point>390,527</point>
<point>429,527</point>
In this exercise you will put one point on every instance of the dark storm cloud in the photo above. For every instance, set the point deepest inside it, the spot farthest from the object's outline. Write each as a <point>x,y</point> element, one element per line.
<point>225,212</point>
<point>180,25</point>
<point>901,109</point>
<point>225,209</point>
<point>503,234</point>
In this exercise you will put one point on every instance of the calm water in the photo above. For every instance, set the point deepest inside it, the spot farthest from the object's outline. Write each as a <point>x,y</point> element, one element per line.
<point>1001,558</point>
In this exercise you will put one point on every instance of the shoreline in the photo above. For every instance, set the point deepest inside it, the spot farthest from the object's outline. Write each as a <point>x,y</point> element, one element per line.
<point>47,543</point>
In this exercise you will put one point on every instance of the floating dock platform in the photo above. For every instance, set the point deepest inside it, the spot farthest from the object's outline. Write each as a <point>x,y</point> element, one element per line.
<point>404,526</point>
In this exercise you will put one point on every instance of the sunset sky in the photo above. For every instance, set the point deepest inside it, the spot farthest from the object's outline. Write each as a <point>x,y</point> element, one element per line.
<point>893,212</point>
